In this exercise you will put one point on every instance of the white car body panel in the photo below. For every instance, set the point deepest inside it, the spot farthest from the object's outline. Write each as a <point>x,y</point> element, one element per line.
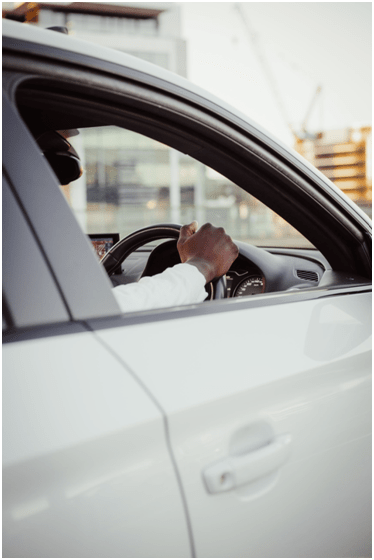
<point>233,392</point>
<point>86,458</point>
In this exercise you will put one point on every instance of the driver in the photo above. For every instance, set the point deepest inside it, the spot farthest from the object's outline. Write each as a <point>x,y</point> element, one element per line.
<point>206,253</point>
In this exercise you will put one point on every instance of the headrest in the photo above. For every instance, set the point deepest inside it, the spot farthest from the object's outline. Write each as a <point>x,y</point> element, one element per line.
<point>61,156</point>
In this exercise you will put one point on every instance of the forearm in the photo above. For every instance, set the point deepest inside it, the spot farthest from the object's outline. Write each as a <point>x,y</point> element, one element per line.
<point>182,284</point>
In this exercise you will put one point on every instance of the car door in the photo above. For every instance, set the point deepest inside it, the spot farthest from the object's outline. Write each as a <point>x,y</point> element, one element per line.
<point>268,398</point>
<point>269,416</point>
<point>86,465</point>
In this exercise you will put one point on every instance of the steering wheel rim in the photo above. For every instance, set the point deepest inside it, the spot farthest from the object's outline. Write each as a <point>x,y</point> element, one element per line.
<point>123,249</point>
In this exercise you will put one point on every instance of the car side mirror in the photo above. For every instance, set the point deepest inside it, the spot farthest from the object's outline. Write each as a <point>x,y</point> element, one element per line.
<point>61,156</point>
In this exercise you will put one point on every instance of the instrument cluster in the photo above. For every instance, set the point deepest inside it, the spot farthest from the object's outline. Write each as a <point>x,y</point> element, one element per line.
<point>244,280</point>
<point>241,284</point>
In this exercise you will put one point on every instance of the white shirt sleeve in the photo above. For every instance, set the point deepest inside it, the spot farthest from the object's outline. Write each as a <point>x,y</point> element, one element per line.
<point>181,284</point>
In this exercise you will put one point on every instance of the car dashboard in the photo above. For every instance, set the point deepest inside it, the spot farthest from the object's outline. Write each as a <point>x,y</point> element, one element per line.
<point>255,271</point>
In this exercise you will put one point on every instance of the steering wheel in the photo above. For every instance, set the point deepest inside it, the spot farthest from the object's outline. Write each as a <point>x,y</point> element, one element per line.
<point>121,250</point>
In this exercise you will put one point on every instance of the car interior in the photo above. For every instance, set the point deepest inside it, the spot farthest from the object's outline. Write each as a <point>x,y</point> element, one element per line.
<point>57,118</point>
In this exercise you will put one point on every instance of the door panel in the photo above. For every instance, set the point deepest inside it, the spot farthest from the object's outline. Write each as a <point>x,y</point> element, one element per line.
<point>232,384</point>
<point>87,472</point>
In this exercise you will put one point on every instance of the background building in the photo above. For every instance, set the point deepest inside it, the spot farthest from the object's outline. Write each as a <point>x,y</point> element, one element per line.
<point>115,172</point>
<point>345,157</point>
<point>122,168</point>
<point>151,31</point>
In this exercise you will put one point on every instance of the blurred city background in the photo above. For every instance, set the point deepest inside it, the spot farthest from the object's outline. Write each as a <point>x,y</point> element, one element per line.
<point>300,70</point>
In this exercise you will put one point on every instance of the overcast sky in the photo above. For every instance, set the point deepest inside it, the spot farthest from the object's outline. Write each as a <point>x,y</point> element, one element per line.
<point>304,44</point>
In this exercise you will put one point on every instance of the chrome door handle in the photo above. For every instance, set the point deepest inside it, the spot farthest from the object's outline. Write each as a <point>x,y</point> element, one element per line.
<point>238,470</point>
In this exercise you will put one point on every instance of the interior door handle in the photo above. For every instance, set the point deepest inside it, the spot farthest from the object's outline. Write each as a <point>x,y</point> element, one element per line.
<point>238,470</point>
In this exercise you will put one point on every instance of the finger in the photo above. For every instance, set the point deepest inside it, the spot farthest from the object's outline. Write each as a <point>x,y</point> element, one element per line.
<point>188,230</point>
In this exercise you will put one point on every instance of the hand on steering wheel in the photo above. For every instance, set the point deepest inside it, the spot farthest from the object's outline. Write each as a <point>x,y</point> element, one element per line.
<point>209,249</point>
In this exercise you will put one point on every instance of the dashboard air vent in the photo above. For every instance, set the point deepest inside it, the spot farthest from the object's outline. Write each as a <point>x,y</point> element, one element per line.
<point>308,275</point>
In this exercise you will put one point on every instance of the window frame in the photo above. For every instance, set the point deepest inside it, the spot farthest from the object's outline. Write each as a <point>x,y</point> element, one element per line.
<point>228,150</point>
<point>141,107</point>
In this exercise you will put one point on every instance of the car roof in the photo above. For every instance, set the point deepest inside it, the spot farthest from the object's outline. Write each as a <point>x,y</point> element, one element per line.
<point>60,41</point>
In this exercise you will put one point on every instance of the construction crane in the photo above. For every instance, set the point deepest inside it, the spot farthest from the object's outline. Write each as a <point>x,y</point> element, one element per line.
<point>345,161</point>
<point>304,131</point>
<point>253,38</point>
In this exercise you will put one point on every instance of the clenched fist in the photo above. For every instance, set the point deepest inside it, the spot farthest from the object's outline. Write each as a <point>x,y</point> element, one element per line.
<point>210,249</point>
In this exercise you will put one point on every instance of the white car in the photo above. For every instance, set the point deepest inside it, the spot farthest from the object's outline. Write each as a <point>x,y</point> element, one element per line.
<point>238,427</point>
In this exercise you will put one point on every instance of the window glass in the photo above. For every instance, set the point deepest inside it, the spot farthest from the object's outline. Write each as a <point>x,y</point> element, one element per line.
<point>131,181</point>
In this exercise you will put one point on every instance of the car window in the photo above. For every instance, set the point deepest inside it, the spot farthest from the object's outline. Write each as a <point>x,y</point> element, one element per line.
<point>131,181</point>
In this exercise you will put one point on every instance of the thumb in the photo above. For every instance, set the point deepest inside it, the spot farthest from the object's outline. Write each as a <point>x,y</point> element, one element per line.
<point>188,230</point>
